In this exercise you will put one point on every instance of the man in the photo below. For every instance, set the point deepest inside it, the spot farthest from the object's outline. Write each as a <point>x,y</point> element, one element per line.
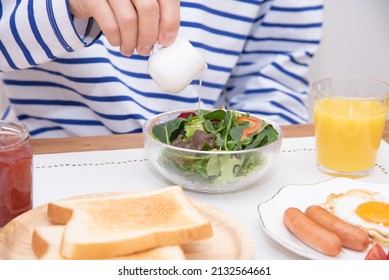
<point>63,78</point>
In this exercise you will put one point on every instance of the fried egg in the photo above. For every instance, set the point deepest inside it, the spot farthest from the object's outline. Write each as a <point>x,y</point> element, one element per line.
<point>364,209</point>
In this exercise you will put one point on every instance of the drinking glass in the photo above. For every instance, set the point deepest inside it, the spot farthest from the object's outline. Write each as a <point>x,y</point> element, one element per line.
<point>349,119</point>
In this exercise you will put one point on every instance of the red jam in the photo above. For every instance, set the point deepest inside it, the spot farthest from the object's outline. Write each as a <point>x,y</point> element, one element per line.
<point>15,171</point>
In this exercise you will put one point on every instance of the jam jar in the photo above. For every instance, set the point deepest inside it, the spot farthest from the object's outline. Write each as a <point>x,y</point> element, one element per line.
<point>15,171</point>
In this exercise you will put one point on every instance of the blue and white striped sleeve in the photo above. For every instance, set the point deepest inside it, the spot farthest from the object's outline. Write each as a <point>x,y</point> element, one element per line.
<point>271,75</point>
<point>34,32</point>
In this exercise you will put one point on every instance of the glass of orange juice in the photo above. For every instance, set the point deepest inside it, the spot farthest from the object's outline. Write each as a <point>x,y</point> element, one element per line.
<point>349,119</point>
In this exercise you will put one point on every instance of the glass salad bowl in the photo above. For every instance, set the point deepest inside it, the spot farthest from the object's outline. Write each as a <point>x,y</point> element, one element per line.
<point>212,151</point>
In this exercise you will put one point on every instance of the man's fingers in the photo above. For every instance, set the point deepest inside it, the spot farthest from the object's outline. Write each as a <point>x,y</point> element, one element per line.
<point>133,24</point>
<point>148,24</point>
<point>107,20</point>
<point>169,23</point>
<point>127,19</point>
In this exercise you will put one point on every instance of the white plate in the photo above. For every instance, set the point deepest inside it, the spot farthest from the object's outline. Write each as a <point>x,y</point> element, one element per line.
<point>301,196</point>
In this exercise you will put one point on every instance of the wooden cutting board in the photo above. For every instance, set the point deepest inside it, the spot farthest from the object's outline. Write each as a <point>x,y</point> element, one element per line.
<point>229,242</point>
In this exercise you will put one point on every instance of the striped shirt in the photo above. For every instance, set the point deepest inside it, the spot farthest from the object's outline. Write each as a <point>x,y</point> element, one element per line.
<point>63,78</point>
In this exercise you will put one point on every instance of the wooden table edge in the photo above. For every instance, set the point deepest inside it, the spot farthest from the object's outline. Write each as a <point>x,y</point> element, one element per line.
<point>132,141</point>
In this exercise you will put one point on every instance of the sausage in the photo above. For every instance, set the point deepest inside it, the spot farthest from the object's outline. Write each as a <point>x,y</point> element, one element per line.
<point>351,236</point>
<point>311,233</point>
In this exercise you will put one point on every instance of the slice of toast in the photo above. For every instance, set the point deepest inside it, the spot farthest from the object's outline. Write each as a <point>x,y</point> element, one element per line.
<point>61,211</point>
<point>46,243</point>
<point>118,225</point>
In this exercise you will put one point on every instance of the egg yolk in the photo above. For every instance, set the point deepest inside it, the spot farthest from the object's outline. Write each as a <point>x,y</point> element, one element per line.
<point>374,211</point>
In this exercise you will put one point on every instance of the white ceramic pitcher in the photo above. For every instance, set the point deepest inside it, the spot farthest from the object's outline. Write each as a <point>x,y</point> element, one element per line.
<point>174,67</point>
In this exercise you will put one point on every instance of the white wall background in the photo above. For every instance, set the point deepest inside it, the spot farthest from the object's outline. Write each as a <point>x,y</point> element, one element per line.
<point>355,40</point>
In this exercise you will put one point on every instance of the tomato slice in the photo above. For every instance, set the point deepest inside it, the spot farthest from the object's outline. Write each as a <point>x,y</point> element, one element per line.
<point>254,125</point>
<point>376,253</point>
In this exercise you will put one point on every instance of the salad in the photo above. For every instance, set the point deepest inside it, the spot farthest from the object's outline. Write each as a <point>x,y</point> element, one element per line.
<point>218,132</point>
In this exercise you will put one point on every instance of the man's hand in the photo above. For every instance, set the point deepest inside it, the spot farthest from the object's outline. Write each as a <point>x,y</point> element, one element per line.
<point>132,24</point>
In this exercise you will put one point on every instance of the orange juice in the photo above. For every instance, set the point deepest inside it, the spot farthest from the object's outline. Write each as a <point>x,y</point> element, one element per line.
<point>348,133</point>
